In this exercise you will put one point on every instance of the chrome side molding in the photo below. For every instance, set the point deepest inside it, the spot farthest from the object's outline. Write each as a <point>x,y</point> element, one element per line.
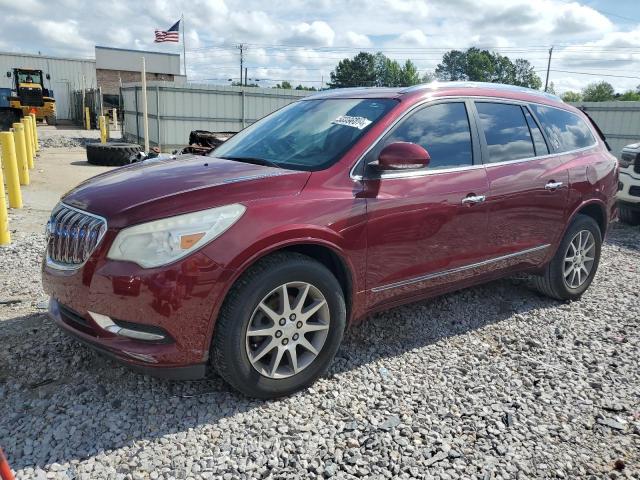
<point>464,268</point>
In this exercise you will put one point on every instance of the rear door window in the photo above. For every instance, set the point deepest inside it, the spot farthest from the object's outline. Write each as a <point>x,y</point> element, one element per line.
<point>506,131</point>
<point>442,129</point>
<point>538,139</point>
<point>565,130</point>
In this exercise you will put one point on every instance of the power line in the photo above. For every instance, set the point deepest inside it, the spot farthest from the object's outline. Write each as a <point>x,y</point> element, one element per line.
<point>589,73</point>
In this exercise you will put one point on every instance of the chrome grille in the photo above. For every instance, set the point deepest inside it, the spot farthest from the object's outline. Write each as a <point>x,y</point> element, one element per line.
<point>72,236</point>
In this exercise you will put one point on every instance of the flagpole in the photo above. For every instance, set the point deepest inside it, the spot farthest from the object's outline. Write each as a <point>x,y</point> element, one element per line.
<point>184,48</point>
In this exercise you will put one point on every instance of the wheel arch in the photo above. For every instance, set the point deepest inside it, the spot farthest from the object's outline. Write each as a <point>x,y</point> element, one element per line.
<point>325,252</point>
<point>594,209</point>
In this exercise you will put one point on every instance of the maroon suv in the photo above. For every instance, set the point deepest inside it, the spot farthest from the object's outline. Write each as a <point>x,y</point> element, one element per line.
<point>253,260</point>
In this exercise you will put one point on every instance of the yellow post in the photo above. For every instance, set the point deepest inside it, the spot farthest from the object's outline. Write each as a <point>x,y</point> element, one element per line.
<point>87,118</point>
<point>5,236</point>
<point>10,165</point>
<point>28,142</point>
<point>21,153</point>
<point>103,129</point>
<point>35,132</point>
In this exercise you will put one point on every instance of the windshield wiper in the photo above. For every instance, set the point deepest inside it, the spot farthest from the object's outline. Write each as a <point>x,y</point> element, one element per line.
<point>255,160</point>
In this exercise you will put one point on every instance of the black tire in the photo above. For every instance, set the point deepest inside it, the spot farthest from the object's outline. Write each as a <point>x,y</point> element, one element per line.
<point>52,120</point>
<point>628,215</point>
<point>111,154</point>
<point>229,354</point>
<point>552,282</point>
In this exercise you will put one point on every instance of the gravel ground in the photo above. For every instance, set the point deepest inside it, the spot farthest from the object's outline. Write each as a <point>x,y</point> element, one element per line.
<point>66,142</point>
<point>491,382</point>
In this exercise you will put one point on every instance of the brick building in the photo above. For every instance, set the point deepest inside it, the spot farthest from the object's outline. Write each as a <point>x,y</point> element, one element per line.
<point>117,66</point>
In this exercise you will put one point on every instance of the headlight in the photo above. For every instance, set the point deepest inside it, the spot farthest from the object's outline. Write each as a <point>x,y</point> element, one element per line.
<point>164,241</point>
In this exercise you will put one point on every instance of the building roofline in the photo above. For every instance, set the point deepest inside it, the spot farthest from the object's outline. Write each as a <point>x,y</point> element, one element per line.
<point>136,51</point>
<point>50,57</point>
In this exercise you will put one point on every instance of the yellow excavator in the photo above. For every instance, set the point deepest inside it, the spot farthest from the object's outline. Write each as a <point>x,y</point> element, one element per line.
<point>30,96</point>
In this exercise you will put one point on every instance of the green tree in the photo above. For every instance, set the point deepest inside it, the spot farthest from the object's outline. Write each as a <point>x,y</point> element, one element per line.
<point>527,77</point>
<point>428,77</point>
<point>387,71</point>
<point>302,87</point>
<point>453,66</point>
<point>284,84</point>
<point>367,70</point>
<point>551,88</point>
<point>409,74</point>
<point>598,92</point>
<point>629,96</point>
<point>359,71</point>
<point>484,66</point>
<point>571,96</point>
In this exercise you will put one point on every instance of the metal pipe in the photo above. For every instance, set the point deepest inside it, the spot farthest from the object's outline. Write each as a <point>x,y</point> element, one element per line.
<point>10,165</point>
<point>158,116</point>
<point>145,118</point>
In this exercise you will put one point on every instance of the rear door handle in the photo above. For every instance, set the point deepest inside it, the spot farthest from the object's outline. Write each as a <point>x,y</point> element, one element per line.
<point>472,199</point>
<point>553,185</point>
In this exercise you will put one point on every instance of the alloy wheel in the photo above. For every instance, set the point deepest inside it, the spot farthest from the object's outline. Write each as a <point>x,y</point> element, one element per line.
<point>579,259</point>
<point>287,330</point>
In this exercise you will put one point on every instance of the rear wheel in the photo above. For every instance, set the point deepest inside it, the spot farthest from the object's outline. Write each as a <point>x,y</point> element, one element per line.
<point>279,327</point>
<point>572,268</point>
<point>52,120</point>
<point>628,215</point>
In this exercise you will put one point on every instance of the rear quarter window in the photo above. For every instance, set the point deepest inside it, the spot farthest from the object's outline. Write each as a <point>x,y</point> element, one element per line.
<point>565,130</point>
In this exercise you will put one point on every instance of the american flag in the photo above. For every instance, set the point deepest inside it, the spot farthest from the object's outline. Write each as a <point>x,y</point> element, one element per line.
<point>171,35</point>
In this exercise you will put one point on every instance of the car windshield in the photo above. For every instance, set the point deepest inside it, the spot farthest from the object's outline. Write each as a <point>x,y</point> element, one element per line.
<point>306,135</point>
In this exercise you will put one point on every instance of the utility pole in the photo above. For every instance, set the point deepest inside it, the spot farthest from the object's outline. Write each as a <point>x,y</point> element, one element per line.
<point>546,82</point>
<point>241,47</point>
<point>245,76</point>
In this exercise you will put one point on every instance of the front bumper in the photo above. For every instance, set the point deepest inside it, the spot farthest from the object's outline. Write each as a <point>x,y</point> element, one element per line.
<point>180,300</point>
<point>135,361</point>
<point>629,187</point>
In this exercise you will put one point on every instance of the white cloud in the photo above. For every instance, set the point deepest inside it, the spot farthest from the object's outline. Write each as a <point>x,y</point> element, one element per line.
<point>317,33</point>
<point>329,30</point>
<point>354,39</point>
<point>413,38</point>
<point>415,8</point>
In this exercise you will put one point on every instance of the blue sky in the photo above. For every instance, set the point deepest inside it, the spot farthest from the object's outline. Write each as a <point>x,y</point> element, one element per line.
<point>302,41</point>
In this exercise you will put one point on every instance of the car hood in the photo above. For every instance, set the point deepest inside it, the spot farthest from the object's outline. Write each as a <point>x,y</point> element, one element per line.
<point>155,189</point>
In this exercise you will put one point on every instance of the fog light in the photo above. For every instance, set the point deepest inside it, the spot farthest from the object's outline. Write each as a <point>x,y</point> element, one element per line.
<point>110,326</point>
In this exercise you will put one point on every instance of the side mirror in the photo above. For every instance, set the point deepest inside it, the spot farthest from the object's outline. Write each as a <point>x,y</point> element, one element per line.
<point>402,156</point>
<point>48,77</point>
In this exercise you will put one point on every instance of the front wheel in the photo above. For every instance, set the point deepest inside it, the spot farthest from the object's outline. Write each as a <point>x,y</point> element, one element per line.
<point>572,268</point>
<point>280,326</point>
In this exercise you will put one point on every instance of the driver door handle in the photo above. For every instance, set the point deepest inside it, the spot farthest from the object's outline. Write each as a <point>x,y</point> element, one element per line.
<point>553,185</point>
<point>473,199</point>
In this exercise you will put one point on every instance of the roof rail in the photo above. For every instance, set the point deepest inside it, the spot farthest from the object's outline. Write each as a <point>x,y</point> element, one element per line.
<point>496,86</point>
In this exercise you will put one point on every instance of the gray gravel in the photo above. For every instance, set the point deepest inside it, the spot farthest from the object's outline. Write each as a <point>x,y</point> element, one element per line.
<point>494,382</point>
<point>66,142</point>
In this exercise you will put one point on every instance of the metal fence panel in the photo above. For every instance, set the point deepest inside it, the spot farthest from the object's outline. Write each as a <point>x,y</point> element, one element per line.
<point>619,121</point>
<point>183,108</point>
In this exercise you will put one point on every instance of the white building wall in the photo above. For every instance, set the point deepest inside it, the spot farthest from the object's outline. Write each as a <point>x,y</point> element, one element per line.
<point>131,60</point>
<point>67,74</point>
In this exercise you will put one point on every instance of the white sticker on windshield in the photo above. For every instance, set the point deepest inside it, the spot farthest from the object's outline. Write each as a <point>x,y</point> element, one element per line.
<point>355,122</point>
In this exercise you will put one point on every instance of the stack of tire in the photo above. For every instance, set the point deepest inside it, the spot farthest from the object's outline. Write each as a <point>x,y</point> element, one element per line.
<point>113,154</point>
